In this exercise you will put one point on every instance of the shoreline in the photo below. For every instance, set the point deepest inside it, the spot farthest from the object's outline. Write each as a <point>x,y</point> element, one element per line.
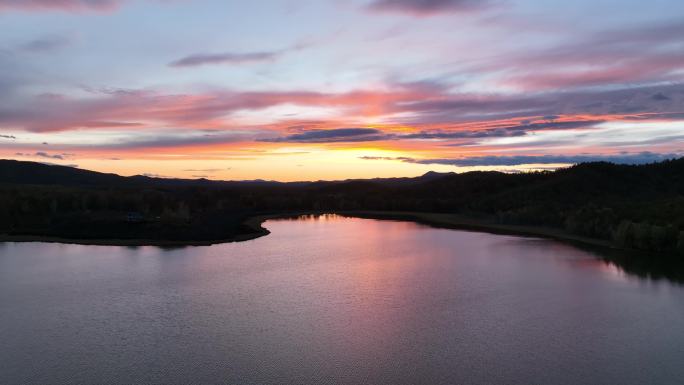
<point>458,222</point>
<point>255,223</point>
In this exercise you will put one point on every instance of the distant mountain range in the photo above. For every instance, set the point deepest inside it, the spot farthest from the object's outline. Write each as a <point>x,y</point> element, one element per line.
<point>36,173</point>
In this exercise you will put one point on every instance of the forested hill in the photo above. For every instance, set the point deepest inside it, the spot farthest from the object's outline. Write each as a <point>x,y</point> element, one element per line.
<point>634,206</point>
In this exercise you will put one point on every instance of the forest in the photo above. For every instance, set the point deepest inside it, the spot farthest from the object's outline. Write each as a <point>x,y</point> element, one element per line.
<point>637,207</point>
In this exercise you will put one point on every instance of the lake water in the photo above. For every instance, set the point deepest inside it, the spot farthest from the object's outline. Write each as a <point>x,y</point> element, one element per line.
<point>335,300</point>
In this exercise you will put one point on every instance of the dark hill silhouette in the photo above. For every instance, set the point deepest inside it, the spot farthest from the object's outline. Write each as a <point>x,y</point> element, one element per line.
<point>16,172</point>
<point>35,173</point>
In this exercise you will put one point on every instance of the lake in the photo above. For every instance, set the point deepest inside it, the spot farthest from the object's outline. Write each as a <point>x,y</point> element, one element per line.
<point>336,300</point>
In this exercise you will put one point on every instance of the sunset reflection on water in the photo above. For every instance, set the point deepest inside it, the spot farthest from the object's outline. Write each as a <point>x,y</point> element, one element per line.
<point>329,299</point>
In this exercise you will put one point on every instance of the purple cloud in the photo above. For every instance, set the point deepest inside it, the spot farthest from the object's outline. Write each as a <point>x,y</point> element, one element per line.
<point>516,160</point>
<point>426,7</point>
<point>224,58</point>
<point>508,131</point>
<point>647,54</point>
<point>334,136</point>
<point>46,44</point>
<point>49,156</point>
<point>42,154</point>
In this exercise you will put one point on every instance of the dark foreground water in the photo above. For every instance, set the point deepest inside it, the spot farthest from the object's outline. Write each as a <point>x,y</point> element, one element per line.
<point>332,300</point>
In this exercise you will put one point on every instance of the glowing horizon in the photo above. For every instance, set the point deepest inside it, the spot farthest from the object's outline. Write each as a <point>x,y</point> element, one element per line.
<point>295,90</point>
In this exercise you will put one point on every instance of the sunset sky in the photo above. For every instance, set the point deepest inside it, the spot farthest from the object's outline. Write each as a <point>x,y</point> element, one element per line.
<point>314,89</point>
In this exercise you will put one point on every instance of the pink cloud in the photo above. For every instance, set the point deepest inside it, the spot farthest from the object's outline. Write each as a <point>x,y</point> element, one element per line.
<point>404,113</point>
<point>645,55</point>
<point>123,108</point>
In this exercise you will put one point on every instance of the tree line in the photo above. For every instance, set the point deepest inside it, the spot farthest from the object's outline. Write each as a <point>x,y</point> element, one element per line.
<point>639,207</point>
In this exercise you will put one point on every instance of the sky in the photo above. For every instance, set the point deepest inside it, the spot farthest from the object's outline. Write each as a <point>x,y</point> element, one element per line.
<point>334,89</point>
